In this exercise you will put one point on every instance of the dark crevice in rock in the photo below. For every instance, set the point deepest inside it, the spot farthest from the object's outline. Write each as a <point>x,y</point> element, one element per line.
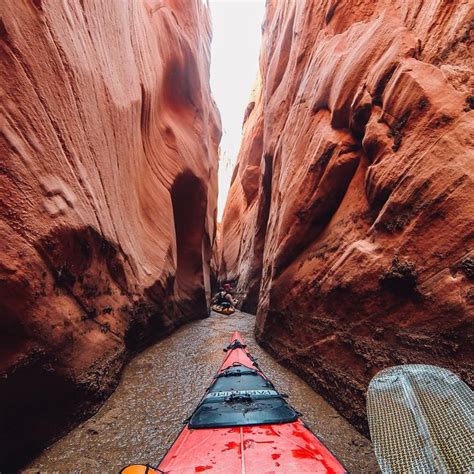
<point>189,200</point>
<point>396,130</point>
<point>380,87</point>
<point>401,278</point>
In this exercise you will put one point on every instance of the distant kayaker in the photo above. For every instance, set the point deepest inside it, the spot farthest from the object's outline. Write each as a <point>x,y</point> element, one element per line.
<point>224,295</point>
<point>223,300</point>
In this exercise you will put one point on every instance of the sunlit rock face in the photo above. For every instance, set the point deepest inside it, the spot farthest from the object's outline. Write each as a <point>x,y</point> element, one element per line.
<point>108,198</point>
<point>351,214</point>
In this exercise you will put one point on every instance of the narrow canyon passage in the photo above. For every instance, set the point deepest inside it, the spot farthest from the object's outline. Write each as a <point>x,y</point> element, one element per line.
<point>347,229</point>
<point>160,388</point>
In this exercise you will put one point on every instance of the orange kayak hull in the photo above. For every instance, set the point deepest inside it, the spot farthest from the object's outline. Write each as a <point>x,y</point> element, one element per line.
<point>285,448</point>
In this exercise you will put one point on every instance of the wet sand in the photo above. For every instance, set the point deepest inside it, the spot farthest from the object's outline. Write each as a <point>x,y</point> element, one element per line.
<point>160,388</point>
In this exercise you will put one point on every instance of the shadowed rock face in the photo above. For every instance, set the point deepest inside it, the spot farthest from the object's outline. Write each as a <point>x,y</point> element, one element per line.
<point>350,218</point>
<point>108,194</point>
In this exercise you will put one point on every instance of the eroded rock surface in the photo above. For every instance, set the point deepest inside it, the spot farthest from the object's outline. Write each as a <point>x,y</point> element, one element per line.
<point>351,214</point>
<point>108,198</point>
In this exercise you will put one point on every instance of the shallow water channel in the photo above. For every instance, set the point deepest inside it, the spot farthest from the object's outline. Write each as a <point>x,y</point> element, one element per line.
<point>161,387</point>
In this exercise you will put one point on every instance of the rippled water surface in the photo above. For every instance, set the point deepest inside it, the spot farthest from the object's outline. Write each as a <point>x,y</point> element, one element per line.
<point>160,388</point>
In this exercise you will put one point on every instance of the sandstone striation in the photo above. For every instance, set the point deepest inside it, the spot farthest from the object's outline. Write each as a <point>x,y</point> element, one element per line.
<point>108,188</point>
<point>350,219</point>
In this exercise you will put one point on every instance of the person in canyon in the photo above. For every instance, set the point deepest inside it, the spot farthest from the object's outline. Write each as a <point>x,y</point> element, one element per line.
<point>223,301</point>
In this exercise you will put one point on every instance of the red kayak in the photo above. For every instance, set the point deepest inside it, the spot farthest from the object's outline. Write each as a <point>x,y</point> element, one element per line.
<point>243,425</point>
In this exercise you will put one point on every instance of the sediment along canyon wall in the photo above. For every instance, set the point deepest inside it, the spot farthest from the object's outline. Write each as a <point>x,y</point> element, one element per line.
<point>108,184</point>
<point>350,219</point>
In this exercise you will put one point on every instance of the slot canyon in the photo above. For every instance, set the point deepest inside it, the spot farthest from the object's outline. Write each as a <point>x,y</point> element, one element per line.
<point>348,227</point>
<point>349,222</point>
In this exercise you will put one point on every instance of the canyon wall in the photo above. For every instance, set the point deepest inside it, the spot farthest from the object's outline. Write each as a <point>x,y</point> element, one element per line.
<point>108,183</point>
<point>350,219</point>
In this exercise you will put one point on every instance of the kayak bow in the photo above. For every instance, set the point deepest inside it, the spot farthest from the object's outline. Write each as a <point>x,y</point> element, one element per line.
<point>243,425</point>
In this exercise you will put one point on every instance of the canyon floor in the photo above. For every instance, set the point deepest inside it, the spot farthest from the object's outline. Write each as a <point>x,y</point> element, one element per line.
<point>160,388</point>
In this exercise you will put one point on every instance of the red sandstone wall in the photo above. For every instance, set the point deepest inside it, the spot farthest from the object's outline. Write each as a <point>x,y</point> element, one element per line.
<point>108,193</point>
<point>350,219</point>
<point>215,260</point>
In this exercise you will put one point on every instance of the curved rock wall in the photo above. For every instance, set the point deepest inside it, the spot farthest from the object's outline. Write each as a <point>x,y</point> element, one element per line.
<point>108,187</point>
<point>350,218</point>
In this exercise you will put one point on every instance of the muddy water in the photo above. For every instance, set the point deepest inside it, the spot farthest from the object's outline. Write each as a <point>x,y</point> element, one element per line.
<point>161,387</point>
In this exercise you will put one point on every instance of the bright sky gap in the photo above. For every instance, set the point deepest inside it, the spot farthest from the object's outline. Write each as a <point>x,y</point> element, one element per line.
<point>234,65</point>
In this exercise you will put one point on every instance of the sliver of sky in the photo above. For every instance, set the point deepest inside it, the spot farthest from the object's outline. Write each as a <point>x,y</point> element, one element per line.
<point>234,65</point>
